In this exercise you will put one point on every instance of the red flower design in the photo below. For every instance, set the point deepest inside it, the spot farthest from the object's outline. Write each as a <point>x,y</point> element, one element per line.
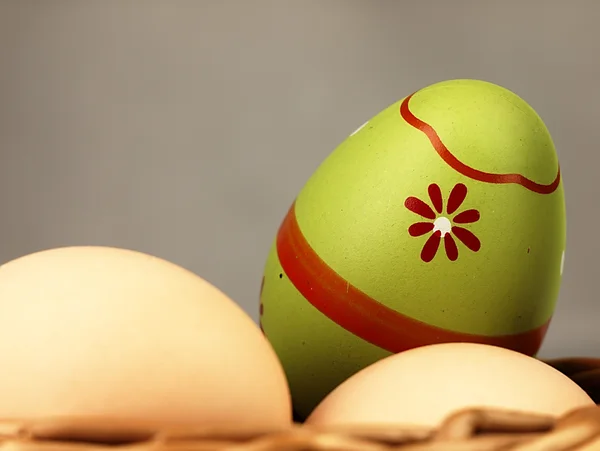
<point>439,224</point>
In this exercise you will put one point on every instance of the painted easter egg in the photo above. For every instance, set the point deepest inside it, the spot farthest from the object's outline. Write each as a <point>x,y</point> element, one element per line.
<point>442,219</point>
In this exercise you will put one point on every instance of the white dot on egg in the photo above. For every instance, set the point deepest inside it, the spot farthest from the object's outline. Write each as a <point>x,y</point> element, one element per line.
<point>442,224</point>
<point>562,263</point>
<point>359,129</point>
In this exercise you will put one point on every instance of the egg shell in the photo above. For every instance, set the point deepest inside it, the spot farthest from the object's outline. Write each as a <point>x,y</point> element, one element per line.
<point>103,332</point>
<point>442,219</point>
<point>425,385</point>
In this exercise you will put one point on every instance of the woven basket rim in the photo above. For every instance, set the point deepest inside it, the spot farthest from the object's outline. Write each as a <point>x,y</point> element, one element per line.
<point>467,429</point>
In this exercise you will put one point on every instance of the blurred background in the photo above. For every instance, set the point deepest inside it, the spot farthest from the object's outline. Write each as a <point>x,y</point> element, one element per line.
<point>185,128</point>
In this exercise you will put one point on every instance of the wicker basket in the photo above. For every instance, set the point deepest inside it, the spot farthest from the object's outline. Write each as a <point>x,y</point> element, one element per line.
<point>476,430</point>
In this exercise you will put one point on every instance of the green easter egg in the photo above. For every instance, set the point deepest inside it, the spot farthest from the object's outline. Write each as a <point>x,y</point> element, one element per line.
<point>442,219</point>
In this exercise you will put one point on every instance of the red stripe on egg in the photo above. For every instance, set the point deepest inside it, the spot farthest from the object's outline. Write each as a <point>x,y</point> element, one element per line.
<point>365,317</point>
<point>261,309</point>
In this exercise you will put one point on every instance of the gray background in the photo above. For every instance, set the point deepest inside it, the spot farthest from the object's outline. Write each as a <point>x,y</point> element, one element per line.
<point>185,128</point>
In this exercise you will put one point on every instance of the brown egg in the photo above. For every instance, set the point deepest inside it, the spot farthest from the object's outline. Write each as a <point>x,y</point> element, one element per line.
<point>424,385</point>
<point>94,331</point>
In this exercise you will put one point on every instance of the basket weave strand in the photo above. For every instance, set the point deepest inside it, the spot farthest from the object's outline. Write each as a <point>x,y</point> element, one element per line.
<point>467,430</point>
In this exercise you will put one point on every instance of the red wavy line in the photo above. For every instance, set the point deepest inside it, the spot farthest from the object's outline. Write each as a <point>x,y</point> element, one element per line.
<point>468,171</point>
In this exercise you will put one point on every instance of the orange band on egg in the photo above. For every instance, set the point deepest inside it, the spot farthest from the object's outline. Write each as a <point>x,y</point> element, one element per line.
<point>466,170</point>
<point>364,316</point>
